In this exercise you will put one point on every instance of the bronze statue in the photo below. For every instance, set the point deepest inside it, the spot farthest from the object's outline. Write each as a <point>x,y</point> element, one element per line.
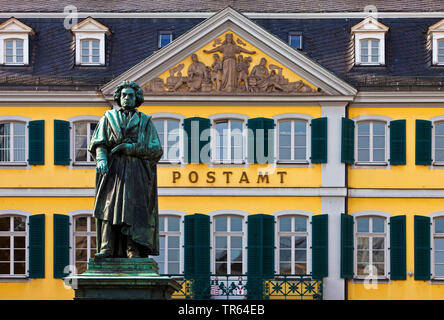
<point>126,148</point>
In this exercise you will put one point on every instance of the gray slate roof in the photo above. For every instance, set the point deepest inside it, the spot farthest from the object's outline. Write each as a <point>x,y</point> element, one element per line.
<point>216,5</point>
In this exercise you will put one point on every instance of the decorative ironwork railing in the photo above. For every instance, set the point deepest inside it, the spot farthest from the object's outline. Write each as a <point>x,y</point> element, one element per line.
<point>236,286</point>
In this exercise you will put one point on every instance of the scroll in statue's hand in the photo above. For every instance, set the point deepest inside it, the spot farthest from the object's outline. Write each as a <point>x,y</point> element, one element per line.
<point>102,166</point>
<point>125,148</point>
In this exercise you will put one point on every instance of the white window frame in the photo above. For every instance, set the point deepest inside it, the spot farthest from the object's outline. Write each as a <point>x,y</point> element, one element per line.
<point>72,122</point>
<point>90,51</point>
<point>25,121</point>
<point>373,118</point>
<point>435,121</point>
<point>436,38</point>
<point>295,33</point>
<point>386,235</point>
<point>20,213</point>
<point>14,51</point>
<point>175,117</point>
<point>433,216</point>
<point>381,51</point>
<point>180,234</point>
<point>228,117</point>
<point>292,213</point>
<point>72,234</point>
<point>90,36</point>
<point>163,33</point>
<point>244,234</point>
<point>298,117</point>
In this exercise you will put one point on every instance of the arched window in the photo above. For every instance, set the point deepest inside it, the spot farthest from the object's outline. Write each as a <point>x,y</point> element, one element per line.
<point>371,246</point>
<point>13,245</point>
<point>13,141</point>
<point>293,140</point>
<point>371,142</point>
<point>84,240</point>
<point>293,244</point>
<point>83,131</point>
<point>228,244</point>
<point>169,259</point>
<point>169,136</point>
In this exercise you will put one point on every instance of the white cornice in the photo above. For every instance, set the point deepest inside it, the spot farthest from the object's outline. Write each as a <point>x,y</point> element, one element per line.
<point>410,97</point>
<point>229,19</point>
<point>205,15</point>
<point>30,97</point>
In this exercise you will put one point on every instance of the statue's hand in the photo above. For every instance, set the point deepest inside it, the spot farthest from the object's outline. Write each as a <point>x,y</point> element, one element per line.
<point>102,166</point>
<point>126,148</point>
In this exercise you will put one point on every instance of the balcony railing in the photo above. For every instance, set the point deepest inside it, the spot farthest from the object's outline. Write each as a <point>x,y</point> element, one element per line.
<point>240,286</point>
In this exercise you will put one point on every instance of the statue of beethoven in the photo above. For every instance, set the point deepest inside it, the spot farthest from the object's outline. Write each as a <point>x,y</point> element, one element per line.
<point>126,148</point>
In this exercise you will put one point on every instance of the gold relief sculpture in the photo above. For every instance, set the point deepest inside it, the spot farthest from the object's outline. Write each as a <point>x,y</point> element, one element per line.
<point>229,73</point>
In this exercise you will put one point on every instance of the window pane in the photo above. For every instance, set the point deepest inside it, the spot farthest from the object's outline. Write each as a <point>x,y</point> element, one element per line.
<point>236,224</point>
<point>300,242</point>
<point>285,127</point>
<point>5,255</point>
<point>380,269</point>
<point>19,242</point>
<point>378,128</point>
<point>284,255</point>
<point>81,223</point>
<point>362,243</point>
<point>439,244</point>
<point>92,224</point>
<point>165,39</point>
<point>364,128</point>
<point>363,142</point>
<point>285,224</point>
<point>173,267</point>
<point>173,224</point>
<point>236,255</point>
<point>221,242</point>
<point>221,268</point>
<point>363,225</point>
<point>439,142</point>
<point>439,225</point>
<point>19,268</point>
<point>439,270</point>
<point>95,44</point>
<point>81,242</point>
<point>173,242</point>
<point>379,155</point>
<point>85,44</point>
<point>19,223</point>
<point>81,255</point>
<point>5,224</point>
<point>19,255</point>
<point>236,242</point>
<point>300,141</point>
<point>173,255</point>
<point>5,268</point>
<point>295,41</point>
<point>439,155</point>
<point>285,242</point>
<point>363,256</point>
<point>378,224</point>
<point>378,243</point>
<point>300,255</point>
<point>379,142</point>
<point>221,255</point>
<point>236,268</point>
<point>5,242</point>
<point>300,224</point>
<point>221,224</point>
<point>161,223</point>
<point>378,256</point>
<point>300,154</point>
<point>439,127</point>
<point>285,268</point>
<point>363,155</point>
<point>9,44</point>
<point>284,153</point>
<point>300,268</point>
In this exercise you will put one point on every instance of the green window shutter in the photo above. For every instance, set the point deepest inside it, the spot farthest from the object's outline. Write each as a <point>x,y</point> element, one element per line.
<point>260,253</point>
<point>197,254</point>
<point>36,134</point>
<point>398,248</point>
<point>61,142</point>
<point>193,128</point>
<point>61,245</point>
<point>37,246</point>
<point>398,142</point>
<point>320,246</point>
<point>422,247</point>
<point>319,140</point>
<point>423,149</point>
<point>347,243</point>
<point>260,140</point>
<point>348,141</point>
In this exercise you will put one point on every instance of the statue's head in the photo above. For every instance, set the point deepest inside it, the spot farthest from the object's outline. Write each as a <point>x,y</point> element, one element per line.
<point>128,95</point>
<point>229,38</point>
<point>263,62</point>
<point>194,57</point>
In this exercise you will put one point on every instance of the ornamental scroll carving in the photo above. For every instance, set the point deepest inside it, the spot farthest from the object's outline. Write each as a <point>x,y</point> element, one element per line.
<point>230,72</point>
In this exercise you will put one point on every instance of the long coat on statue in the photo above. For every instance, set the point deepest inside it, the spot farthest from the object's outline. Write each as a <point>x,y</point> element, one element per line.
<point>126,195</point>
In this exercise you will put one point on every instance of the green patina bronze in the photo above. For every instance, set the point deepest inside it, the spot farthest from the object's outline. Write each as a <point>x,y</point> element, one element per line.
<point>126,148</point>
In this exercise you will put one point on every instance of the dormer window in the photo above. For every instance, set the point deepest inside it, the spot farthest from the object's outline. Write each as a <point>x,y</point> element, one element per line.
<point>90,42</point>
<point>14,42</point>
<point>369,41</point>
<point>436,36</point>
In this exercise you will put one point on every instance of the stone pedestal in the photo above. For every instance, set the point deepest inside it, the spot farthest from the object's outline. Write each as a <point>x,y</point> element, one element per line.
<point>119,278</point>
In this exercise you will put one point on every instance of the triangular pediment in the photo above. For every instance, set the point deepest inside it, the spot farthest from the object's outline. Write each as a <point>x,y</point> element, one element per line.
<point>437,27</point>
<point>228,54</point>
<point>13,25</point>
<point>369,24</point>
<point>89,25</point>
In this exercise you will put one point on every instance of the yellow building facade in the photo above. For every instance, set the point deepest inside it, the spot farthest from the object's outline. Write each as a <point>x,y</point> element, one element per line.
<point>333,152</point>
